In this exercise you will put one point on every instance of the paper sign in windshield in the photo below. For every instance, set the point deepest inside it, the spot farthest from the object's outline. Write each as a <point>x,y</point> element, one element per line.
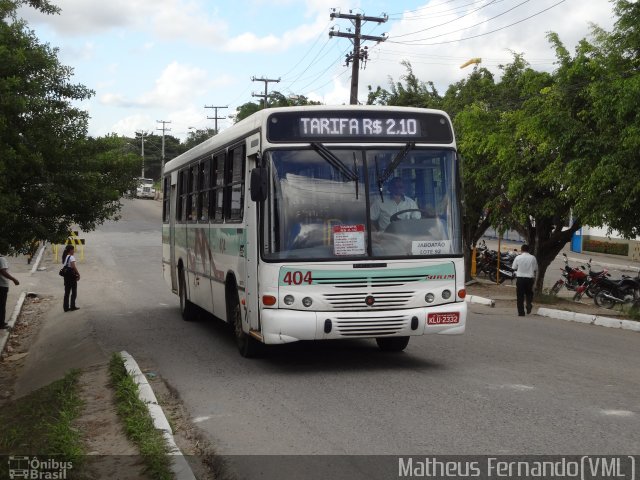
<point>348,240</point>
<point>431,247</point>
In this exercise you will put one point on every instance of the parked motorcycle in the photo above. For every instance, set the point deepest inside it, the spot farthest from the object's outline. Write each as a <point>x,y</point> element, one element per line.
<point>572,277</point>
<point>488,264</point>
<point>592,285</point>
<point>621,291</point>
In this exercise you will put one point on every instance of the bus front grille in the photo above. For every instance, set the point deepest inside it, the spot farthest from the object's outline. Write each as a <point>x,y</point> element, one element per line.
<point>370,327</point>
<point>358,300</point>
<point>368,282</point>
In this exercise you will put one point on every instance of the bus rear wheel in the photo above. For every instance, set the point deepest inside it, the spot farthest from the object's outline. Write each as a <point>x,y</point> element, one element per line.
<point>248,346</point>
<point>187,309</point>
<point>392,344</point>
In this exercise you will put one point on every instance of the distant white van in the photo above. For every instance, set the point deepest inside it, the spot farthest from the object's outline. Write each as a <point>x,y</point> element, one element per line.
<point>145,188</point>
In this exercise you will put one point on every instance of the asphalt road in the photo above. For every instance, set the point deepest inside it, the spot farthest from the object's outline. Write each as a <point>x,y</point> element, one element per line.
<point>508,386</point>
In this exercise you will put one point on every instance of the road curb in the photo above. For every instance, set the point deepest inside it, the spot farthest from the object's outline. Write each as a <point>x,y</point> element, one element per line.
<point>481,300</point>
<point>179,465</point>
<point>590,319</point>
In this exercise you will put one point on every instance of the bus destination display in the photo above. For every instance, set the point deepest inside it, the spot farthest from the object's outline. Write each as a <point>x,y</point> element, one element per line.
<point>359,126</point>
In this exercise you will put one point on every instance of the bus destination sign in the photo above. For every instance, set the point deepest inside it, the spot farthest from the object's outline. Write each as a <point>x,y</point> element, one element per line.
<point>366,126</point>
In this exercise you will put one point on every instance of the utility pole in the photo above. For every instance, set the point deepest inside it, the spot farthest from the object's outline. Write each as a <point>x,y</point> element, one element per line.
<point>358,54</point>
<point>215,117</point>
<point>142,134</point>
<point>163,130</point>
<point>266,83</point>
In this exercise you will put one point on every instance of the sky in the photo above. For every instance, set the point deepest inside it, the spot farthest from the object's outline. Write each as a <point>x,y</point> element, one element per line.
<point>165,60</point>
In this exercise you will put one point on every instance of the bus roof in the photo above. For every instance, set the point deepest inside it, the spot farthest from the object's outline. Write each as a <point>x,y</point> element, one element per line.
<point>255,121</point>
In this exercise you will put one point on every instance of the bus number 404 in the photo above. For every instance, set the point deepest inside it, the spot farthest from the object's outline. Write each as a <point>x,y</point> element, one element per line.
<point>297,278</point>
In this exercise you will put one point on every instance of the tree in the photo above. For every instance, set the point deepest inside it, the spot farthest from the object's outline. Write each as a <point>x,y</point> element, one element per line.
<point>52,177</point>
<point>274,99</point>
<point>413,93</point>
<point>196,137</point>
<point>601,86</point>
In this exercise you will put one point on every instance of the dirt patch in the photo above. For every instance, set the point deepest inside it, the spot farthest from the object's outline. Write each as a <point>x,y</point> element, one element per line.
<point>21,337</point>
<point>112,454</point>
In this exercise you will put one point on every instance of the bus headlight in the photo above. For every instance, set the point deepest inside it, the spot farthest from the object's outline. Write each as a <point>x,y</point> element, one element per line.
<point>446,294</point>
<point>429,297</point>
<point>307,302</point>
<point>288,300</point>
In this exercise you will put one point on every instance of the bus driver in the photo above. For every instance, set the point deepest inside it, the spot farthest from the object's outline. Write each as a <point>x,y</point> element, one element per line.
<point>395,201</point>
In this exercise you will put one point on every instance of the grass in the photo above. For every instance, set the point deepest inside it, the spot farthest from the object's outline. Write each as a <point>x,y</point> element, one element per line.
<point>41,423</point>
<point>138,423</point>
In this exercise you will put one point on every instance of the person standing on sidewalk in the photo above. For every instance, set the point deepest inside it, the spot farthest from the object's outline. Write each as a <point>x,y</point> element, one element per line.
<point>5,276</point>
<point>526,267</point>
<point>70,281</point>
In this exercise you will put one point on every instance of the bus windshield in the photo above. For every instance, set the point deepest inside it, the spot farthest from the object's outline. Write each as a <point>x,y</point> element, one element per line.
<point>380,203</point>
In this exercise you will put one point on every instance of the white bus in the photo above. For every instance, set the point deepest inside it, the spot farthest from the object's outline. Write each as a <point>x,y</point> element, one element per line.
<point>314,223</point>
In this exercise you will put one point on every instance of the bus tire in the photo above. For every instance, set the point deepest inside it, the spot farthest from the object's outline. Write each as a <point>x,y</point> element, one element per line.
<point>187,309</point>
<point>248,346</point>
<point>392,344</point>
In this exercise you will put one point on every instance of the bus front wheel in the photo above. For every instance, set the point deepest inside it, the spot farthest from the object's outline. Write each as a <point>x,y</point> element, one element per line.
<point>392,344</point>
<point>247,345</point>
<point>187,309</point>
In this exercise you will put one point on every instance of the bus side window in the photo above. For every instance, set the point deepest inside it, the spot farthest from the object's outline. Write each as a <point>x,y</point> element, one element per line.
<point>191,192</point>
<point>203,191</point>
<point>217,187</point>
<point>165,199</point>
<point>234,198</point>
<point>180,201</point>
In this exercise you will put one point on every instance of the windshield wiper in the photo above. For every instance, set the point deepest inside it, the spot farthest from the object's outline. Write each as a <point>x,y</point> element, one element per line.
<point>401,155</point>
<point>334,161</point>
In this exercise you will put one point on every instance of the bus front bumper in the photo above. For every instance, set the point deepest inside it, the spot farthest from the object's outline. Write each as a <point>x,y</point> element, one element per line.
<point>286,326</point>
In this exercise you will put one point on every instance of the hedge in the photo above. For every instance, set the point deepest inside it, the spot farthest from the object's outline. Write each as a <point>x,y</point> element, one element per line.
<point>599,246</point>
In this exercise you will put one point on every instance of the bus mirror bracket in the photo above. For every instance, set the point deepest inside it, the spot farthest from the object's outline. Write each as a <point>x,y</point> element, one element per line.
<point>259,184</point>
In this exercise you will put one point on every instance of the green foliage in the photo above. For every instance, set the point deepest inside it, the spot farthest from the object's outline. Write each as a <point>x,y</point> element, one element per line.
<point>52,177</point>
<point>196,137</point>
<point>41,423</point>
<point>137,421</point>
<point>274,99</point>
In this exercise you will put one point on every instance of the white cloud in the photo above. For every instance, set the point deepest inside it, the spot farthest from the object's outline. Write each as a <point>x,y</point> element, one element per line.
<point>176,85</point>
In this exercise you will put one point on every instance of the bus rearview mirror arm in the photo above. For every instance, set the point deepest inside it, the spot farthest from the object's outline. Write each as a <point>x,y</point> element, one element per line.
<point>259,184</point>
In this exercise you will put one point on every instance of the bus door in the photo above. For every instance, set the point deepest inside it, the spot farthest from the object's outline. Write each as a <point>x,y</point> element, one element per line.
<point>251,238</point>
<point>173,200</point>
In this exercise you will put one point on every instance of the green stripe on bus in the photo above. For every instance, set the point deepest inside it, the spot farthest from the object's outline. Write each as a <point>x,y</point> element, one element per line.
<point>299,276</point>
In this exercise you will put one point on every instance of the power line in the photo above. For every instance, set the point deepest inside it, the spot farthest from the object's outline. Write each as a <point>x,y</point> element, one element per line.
<point>481,34</point>
<point>454,20</point>
<point>465,28</point>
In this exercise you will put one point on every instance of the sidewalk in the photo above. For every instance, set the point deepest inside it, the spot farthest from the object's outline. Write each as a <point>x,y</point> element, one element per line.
<point>612,262</point>
<point>26,273</point>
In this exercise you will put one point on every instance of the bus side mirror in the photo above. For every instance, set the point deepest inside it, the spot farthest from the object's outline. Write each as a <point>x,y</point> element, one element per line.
<point>259,184</point>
